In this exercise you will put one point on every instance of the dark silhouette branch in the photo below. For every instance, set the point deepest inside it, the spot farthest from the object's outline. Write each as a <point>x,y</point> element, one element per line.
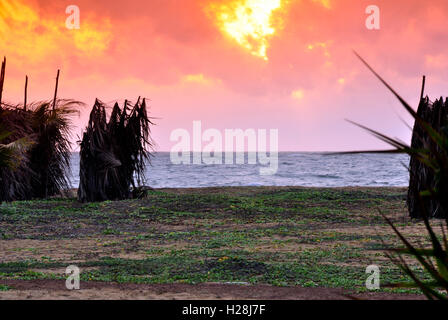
<point>2,79</point>
<point>26,93</point>
<point>423,87</point>
<point>56,91</point>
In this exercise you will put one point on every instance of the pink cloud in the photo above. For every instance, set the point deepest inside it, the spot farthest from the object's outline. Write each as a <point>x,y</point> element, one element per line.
<point>158,43</point>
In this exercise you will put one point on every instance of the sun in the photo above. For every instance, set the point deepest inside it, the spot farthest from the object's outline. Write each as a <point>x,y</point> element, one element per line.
<point>248,22</point>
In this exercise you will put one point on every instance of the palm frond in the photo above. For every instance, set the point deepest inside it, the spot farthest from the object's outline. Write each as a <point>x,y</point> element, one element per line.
<point>48,157</point>
<point>114,153</point>
<point>15,174</point>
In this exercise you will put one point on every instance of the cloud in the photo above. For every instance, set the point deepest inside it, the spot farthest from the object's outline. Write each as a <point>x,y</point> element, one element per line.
<point>182,59</point>
<point>31,39</point>
<point>324,3</point>
<point>199,79</point>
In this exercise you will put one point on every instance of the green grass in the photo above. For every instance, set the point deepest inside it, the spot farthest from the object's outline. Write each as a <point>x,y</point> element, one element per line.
<point>4,288</point>
<point>283,237</point>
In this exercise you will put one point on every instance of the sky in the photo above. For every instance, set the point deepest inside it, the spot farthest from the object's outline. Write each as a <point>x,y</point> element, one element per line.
<point>271,64</point>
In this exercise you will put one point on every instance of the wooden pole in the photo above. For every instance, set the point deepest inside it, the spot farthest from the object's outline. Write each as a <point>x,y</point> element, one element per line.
<point>423,87</point>
<point>56,91</point>
<point>26,93</point>
<point>2,79</point>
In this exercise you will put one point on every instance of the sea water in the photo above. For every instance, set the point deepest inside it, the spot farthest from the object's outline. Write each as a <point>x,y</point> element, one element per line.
<point>294,169</point>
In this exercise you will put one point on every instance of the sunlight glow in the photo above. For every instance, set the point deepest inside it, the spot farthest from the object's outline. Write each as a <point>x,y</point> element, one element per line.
<point>248,22</point>
<point>298,94</point>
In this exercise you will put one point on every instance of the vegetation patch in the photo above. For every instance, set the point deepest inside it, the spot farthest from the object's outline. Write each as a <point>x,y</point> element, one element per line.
<point>280,236</point>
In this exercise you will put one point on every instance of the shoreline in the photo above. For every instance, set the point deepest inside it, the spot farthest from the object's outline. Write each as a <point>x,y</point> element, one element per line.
<point>72,193</point>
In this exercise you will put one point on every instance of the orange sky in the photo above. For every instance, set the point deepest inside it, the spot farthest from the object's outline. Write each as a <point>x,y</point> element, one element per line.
<point>195,61</point>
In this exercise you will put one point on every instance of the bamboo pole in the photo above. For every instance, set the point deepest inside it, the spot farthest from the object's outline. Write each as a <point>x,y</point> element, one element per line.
<point>423,87</point>
<point>56,91</point>
<point>2,79</point>
<point>26,93</point>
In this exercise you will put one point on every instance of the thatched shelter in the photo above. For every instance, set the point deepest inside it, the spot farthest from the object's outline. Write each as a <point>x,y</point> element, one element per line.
<point>424,177</point>
<point>428,185</point>
<point>114,153</point>
<point>45,171</point>
<point>43,127</point>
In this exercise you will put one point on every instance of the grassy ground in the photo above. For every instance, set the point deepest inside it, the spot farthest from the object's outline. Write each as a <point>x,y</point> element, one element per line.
<point>256,235</point>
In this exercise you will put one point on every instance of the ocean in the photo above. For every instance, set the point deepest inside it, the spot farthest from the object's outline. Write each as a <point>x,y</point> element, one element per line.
<point>294,169</point>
